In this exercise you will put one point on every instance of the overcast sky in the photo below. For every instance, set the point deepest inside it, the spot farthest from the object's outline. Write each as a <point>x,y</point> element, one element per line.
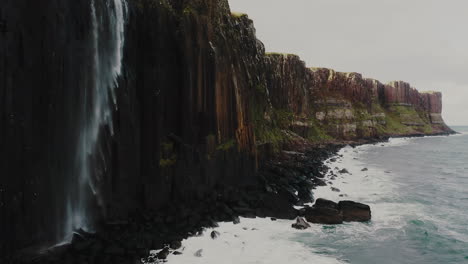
<point>423,42</point>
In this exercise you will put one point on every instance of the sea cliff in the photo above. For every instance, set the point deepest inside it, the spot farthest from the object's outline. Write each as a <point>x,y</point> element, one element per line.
<point>199,109</point>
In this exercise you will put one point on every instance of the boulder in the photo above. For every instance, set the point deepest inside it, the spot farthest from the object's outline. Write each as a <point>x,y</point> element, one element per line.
<point>163,254</point>
<point>198,253</point>
<point>324,215</point>
<point>277,205</point>
<point>319,182</point>
<point>175,245</point>
<point>354,212</point>
<point>300,224</point>
<point>324,203</point>
<point>215,234</point>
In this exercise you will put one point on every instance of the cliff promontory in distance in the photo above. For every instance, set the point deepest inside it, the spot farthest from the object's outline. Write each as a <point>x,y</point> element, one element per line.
<point>323,103</point>
<point>197,109</point>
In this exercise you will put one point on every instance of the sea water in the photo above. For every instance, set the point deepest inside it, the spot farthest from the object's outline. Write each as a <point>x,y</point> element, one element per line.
<point>417,189</point>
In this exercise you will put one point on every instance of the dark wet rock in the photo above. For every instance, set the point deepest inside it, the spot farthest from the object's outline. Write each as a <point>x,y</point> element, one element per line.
<point>319,182</point>
<point>273,219</point>
<point>175,245</point>
<point>163,253</point>
<point>324,203</point>
<point>344,171</point>
<point>323,215</point>
<point>77,239</point>
<point>365,169</point>
<point>277,206</point>
<point>300,224</point>
<point>177,253</point>
<point>301,212</point>
<point>236,220</point>
<point>215,234</point>
<point>355,212</point>
<point>199,233</point>
<point>335,189</point>
<point>198,253</point>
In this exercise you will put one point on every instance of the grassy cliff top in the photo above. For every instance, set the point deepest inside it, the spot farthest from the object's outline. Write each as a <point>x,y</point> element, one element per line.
<point>237,14</point>
<point>430,92</point>
<point>281,54</point>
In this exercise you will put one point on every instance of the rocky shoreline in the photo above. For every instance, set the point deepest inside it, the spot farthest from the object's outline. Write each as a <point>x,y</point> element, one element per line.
<point>285,181</point>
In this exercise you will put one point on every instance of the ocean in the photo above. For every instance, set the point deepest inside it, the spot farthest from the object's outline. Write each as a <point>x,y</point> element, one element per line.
<point>418,192</point>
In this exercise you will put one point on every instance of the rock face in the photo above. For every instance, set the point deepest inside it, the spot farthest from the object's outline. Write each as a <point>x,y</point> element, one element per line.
<point>354,212</point>
<point>199,107</point>
<point>324,212</point>
<point>331,213</point>
<point>300,224</point>
<point>324,215</point>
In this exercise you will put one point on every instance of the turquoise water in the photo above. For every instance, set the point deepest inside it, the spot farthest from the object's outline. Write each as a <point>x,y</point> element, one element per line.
<point>418,191</point>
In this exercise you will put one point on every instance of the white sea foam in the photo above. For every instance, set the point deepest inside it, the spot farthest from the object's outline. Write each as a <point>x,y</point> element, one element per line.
<point>266,241</point>
<point>276,242</point>
<point>252,241</point>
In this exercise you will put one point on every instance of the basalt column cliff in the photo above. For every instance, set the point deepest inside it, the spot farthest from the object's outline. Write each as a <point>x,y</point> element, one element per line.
<point>110,107</point>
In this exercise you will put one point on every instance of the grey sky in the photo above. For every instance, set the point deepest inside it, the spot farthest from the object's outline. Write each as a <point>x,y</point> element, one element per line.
<point>423,42</point>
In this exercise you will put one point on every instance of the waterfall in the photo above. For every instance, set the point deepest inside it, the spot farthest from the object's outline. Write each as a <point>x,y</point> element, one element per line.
<point>108,24</point>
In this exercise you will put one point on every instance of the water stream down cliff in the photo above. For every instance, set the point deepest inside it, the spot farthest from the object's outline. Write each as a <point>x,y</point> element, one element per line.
<point>110,108</point>
<point>108,22</point>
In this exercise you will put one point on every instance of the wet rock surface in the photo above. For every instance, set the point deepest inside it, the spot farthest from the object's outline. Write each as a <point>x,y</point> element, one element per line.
<point>331,213</point>
<point>324,215</point>
<point>124,241</point>
<point>300,224</point>
<point>354,212</point>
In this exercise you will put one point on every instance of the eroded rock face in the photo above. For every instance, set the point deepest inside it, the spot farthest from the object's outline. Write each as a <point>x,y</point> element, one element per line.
<point>331,213</point>
<point>346,105</point>
<point>354,212</point>
<point>182,125</point>
<point>324,215</point>
<point>324,203</point>
<point>352,85</point>
<point>289,83</point>
<point>402,93</point>
<point>300,224</point>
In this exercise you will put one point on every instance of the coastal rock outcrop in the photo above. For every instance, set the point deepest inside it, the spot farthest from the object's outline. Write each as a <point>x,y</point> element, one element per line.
<point>300,224</point>
<point>354,212</point>
<point>331,213</point>
<point>324,215</point>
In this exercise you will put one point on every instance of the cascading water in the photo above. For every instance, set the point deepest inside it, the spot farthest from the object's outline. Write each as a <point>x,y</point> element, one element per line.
<point>108,24</point>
